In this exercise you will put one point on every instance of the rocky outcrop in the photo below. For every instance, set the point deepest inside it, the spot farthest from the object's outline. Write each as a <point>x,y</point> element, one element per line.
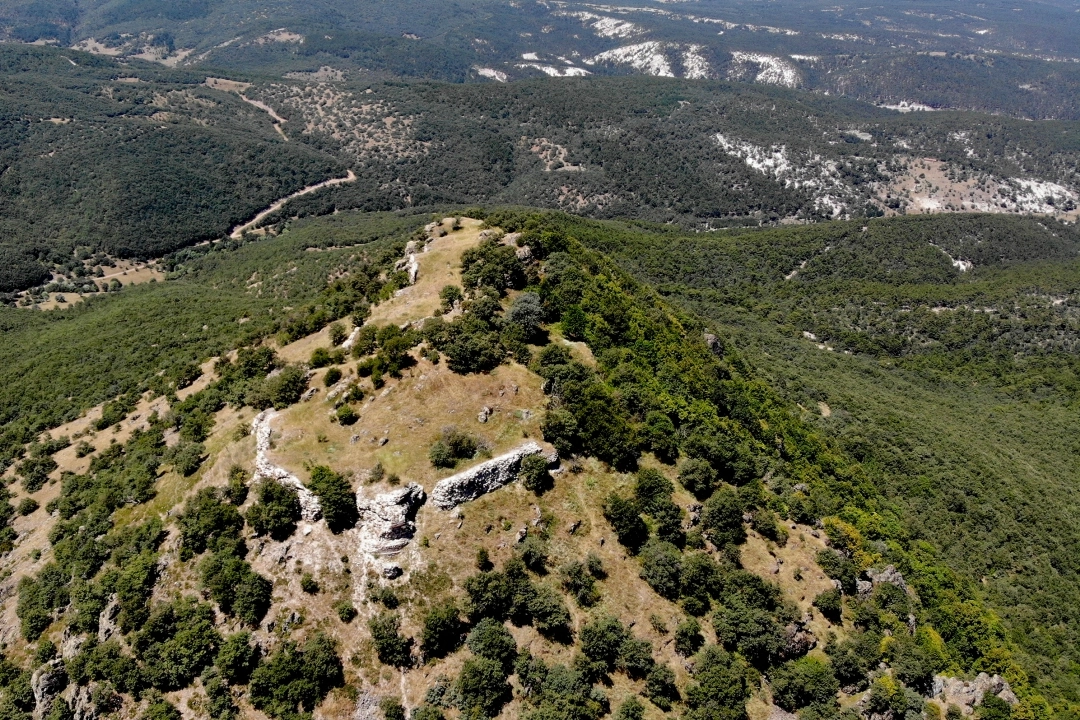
<point>889,576</point>
<point>968,694</point>
<point>47,682</point>
<point>107,626</point>
<point>387,520</point>
<point>367,708</point>
<point>266,470</point>
<point>70,643</point>
<point>483,478</point>
<point>410,263</point>
<point>82,704</point>
<point>798,640</point>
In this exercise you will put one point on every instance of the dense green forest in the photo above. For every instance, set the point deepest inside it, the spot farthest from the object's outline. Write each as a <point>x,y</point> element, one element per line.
<point>133,168</point>
<point>955,390</point>
<point>137,160</point>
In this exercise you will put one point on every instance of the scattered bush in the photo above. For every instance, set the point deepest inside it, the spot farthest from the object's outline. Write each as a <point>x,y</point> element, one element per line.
<point>451,446</point>
<point>443,630</point>
<point>332,376</point>
<point>390,646</point>
<point>346,611</point>
<point>336,498</point>
<point>308,584</point>
<point>346,415</point>
<point>276,512</point>
<point>490,639</point>
<point>27,505</point>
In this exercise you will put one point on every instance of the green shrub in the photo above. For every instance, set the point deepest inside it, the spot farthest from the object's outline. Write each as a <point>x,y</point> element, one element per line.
<point>176,643</point>
<point>534,474</point>
<point>206,521</point>
<point>719,689</point>
<point>336,498</point>
<point>391,709</point>
<point>236,491</point>
<point>688,638</point>
<point>804,682</point>
<point>625,518</point>
<point>338,334</point>
<point>490,639</point>
<point>451,446</point>
<point>533,552</point>
<point>390,646</point>
<point>276,512</point>
<point>481,688</point>
<point>661,567</point>
<point>238,590</point>
<point>27,505</point>
<point>722,519</point>
<point>332,376</point>
<point>443,630</point>
<point>580,584</point>
<point>660,687</point>
<point>295,677</point>
<point>831,604</point>
<point>237,658</point>
<point>602,640</point>
<point>308,584</point>
<point>346,611</point>
<point>346,415</point>
<point>631,709</point>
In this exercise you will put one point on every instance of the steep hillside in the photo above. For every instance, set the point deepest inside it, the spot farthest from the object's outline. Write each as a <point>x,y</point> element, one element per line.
<point>941,353</point>
<point>295,531</point>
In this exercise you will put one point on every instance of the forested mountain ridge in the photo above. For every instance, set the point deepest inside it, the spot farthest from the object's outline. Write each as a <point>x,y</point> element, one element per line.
<point>495,618</point>
<point>131,165</point>
<point>1011,59</point>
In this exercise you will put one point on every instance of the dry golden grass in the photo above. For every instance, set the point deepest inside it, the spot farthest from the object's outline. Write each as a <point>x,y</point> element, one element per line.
<point>440,265</point>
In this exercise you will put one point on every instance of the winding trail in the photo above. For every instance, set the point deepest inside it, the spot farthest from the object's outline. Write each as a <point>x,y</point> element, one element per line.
<point>240,229</point>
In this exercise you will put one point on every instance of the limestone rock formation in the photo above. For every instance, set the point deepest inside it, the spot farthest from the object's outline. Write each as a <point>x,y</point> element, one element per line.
<point>483,478</point>
<point>47,682</point>
<point>967,694</point>
<point>266,470</point>
<point>387,520</point>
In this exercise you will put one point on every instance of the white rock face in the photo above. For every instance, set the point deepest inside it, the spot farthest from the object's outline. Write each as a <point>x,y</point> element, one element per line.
<point>649,58</point>
<point>768,69</point>
<point>482,479</point>
<point>968,694</point>
<point>387,520</point>
<point>310,509</point>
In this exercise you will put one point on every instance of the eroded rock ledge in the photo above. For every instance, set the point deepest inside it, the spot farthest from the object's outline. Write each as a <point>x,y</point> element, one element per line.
<point>481,479</point>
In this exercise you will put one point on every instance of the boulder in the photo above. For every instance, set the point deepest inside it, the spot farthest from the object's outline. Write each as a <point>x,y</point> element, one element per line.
<point>798,640</point>
<point>483,478</point>
<point>70,644</point>
<point>387,520</point>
